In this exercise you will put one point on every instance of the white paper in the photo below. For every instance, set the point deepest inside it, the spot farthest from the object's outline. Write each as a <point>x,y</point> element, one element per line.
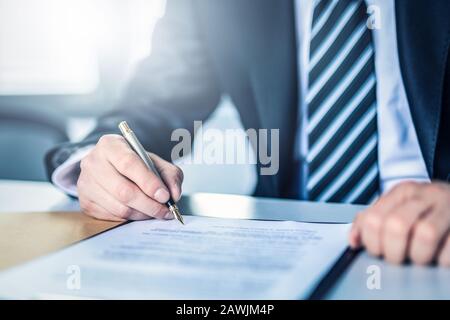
<point>208,258</point>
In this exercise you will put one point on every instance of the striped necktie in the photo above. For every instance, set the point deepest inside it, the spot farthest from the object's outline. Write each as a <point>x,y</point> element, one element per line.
<point>341,105</point>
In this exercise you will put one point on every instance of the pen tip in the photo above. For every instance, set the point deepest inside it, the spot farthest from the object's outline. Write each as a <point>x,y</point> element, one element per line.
<point>176,213</point>
<point>180,218</point>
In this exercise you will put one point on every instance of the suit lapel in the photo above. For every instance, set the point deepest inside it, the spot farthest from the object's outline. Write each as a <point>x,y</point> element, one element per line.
<point>423,41</point>
<point>274,77</point>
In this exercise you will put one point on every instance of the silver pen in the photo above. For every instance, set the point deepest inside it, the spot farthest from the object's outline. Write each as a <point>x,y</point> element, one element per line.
<point>134,143</point>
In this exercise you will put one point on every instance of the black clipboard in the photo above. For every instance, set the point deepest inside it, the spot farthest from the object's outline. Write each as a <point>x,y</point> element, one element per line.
<point>333,275</point>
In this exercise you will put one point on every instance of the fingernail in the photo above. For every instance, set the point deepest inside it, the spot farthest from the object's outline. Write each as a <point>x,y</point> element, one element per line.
<point>169,216</point>
<point>161,195</point>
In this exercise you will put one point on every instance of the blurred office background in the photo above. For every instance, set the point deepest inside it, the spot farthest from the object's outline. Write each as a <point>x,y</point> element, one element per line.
<point>63,63</point>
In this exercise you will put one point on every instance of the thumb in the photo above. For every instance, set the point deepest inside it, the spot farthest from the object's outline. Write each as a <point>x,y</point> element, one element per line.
<point>354,237</point>
<point>171,174</point>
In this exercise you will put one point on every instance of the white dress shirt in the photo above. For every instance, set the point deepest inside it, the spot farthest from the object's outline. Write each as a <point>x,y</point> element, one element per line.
<point>399,154</point>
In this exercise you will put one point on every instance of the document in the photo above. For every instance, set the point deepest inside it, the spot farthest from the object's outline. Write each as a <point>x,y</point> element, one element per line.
<point>208,258</point>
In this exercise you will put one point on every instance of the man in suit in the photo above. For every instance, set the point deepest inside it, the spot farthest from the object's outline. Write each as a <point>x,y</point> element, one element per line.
<point>362,108</point>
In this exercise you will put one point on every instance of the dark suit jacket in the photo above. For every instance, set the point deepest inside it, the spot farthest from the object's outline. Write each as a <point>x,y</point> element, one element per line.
<point>247,49</point>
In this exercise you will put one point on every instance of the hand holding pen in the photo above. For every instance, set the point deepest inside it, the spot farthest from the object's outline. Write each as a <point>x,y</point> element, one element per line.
<point>115,184</point>
<point>134,143</point>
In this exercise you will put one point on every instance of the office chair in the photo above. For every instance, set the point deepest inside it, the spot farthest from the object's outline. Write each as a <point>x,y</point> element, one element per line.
<point>25,137</point>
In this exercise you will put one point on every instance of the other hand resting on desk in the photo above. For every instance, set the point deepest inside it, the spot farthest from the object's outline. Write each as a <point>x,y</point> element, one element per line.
<point>411,222</point>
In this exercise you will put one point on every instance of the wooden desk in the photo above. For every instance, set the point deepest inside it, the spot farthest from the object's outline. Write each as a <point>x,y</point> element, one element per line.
<point>25,236</point>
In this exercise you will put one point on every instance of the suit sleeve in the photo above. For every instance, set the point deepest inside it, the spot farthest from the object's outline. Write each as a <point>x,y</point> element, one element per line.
<point>171,88</point>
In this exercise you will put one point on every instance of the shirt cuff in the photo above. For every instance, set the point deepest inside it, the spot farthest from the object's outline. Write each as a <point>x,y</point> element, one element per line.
<point>66,175</point>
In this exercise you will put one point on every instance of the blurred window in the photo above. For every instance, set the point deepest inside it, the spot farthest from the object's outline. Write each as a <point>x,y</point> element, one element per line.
<point>56,47</point>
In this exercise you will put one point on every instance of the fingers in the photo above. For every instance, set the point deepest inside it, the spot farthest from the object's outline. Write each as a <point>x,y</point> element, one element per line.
<point>444,255</point>
<point>355,232</point>
<point>102,199</point>
<point>355,236</point>
<point>171,174</point>
<point>123,194</point>
<point>412,221</point>
<point>428,233</point>
<point>371,229</point>
<point>114,183</point>
<point>128,164</point>
<point>398,227</point>
<point>376,216</point>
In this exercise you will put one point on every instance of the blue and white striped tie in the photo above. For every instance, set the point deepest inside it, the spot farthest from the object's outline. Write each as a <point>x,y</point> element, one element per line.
<point>342,109</point>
